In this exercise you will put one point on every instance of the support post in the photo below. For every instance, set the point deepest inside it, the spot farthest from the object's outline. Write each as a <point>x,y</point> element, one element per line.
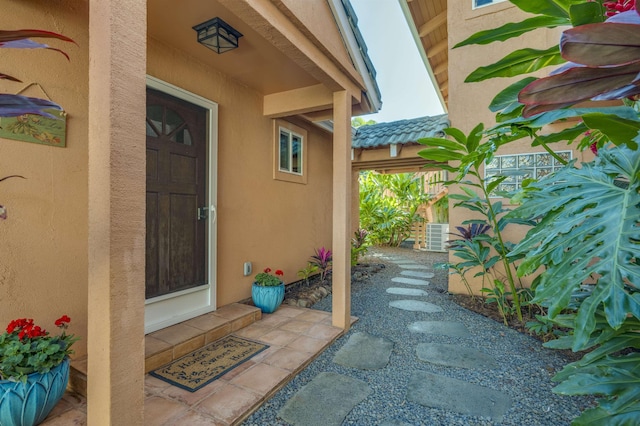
<point>115,343</point>
<point>341,276</point>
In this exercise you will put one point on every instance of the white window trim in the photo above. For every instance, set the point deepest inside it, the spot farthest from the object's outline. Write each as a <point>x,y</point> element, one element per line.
<point>284,175</point>
<point>473,4</point>
<point>291,134</point>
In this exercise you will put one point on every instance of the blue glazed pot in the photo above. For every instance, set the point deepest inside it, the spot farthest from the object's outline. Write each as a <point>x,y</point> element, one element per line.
<point>267,298</point>
<point>28,404</point>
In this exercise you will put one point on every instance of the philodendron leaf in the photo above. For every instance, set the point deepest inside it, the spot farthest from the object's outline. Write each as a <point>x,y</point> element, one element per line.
<point>588,228</point>
<point>519,62</point>
<point>514,29</point>
<point>617,129</point>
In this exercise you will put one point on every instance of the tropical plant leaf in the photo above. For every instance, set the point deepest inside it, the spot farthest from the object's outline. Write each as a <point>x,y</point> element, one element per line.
<point>588,227</point>
<point>558,8</point>
<point>519,62</point>
<point>575,85</point>
<point>586,13</point>
<point>604,44</point>
<point>15,105</point>
<point>513,29</point>
<point>565,135</point>
<point>7,36</point>
<point>509,96</point>
<point>549,117</point>
<point>617,129</point>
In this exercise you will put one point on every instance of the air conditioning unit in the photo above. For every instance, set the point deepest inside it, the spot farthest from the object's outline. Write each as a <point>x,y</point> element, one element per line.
<point>437,236</point>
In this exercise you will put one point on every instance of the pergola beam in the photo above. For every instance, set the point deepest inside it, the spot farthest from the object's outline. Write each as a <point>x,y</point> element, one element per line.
<point>433,24</point>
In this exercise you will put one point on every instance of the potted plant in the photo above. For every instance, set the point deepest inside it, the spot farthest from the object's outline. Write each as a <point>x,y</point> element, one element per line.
<point>267,291</point>
<point>34,371</point>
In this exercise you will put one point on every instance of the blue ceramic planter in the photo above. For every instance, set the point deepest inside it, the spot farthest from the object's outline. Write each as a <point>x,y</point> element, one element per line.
<point>28,404</point>
<point>267,298</point>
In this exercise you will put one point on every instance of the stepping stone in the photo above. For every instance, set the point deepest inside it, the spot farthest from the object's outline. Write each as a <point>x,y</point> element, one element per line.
<point>406,291</point>
<point>418,274</point>
<point>324,401</point>
<point>415,305</point>
<point>454,356</point>
<point>365,352</point>
<point>413,266</point>
<point>432,390</point>
<point>446,328</point>
<point>411,281</point>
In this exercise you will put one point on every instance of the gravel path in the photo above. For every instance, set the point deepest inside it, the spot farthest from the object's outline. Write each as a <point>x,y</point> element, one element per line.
<point>523,373</point>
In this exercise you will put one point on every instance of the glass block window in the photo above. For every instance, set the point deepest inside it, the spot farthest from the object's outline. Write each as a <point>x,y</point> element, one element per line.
<point>291,146</point>
<point>480,3</point>
<point>518,167</point>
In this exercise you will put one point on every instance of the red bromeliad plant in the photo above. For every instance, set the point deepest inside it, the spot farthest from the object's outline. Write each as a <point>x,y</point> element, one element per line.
<point>26,348</point>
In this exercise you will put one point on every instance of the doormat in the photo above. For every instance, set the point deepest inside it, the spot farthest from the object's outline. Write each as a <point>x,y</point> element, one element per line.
<point>204,365</point>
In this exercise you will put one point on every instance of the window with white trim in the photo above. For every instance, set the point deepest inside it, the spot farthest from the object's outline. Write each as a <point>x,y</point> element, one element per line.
<point>480,3</point>
<point>290,152</point>
<point>518,167</point>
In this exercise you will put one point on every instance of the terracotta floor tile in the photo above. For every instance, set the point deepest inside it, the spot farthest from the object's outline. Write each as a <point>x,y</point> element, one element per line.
<point>239,369</point>
<point>206,322</point>
<point>192,398</point>
<point>160,411</point>
<point>262,378</point>
<point>153,346</point>
<point>235,311</point>
<point>153,385</point>
<point>69,418</point>
<point>228,403</point>
<point>271,320</point>
<point>288,359</point>
<point>288,311</point>
<point>176,333</point>
<point>62,406</point>
<point>322,331</point>
<point>262,356</point>
<point>307,344</point>
<point>313,316</point>
<point>193,418</point>
<point>253,331</point>
<point>278,337</point>
<point>296,326</point>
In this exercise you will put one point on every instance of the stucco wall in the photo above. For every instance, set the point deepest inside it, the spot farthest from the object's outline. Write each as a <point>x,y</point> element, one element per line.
<point>260,220</point>
<point>43,266</point>
<point>468,102</point>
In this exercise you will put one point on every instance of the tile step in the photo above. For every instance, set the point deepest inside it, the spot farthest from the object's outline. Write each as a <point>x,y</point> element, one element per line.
<point>168,344</point>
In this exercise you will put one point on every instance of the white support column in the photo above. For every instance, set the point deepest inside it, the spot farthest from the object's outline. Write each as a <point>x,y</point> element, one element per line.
<point>115,342</point>
<point>341,276</point>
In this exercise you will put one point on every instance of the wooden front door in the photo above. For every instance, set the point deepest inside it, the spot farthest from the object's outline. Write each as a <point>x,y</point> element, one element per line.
<point>176,242</point>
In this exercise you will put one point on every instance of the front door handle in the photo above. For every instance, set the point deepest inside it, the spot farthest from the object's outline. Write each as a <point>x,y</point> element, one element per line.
<point>203,213</point>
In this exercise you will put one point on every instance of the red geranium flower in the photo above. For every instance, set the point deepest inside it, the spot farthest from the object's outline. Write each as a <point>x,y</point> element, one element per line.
<point>63,321</point>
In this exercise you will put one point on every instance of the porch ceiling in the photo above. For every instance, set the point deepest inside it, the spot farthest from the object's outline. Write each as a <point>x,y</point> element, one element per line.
<point>255,63</point>
<point>428,22</point>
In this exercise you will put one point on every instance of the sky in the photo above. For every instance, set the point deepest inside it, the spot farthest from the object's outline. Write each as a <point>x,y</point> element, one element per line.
<point>407,91</point>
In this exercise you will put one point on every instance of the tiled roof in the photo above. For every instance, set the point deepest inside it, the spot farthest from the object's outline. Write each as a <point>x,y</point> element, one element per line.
<point>400,132</point>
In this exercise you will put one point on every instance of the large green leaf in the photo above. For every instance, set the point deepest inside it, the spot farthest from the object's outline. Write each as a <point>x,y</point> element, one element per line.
<point>588,228</point>
<point>519,62</point>
<point>513,29</point>
<point>617,129</point>
<point>509,96</point>
<point>549,117</point>
<point>586,13</point>
<point>558,8</point>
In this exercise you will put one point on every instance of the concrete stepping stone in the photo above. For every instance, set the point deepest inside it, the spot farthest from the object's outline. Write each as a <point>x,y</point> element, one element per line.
<point>365,352</point>
<point>415,305</point>
<point>412,281</point>
<point>324,401</point>
<point>445,328</point>
<point>406,291</point>
<point>413,266</point>
<point>454,356</point>
<point>432,390</point>
<point>418,274</point>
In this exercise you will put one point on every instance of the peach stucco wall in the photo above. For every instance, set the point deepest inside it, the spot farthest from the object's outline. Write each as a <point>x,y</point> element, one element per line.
<point>468,102</point>
<point>267,222</point>
<point>43,266</point>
